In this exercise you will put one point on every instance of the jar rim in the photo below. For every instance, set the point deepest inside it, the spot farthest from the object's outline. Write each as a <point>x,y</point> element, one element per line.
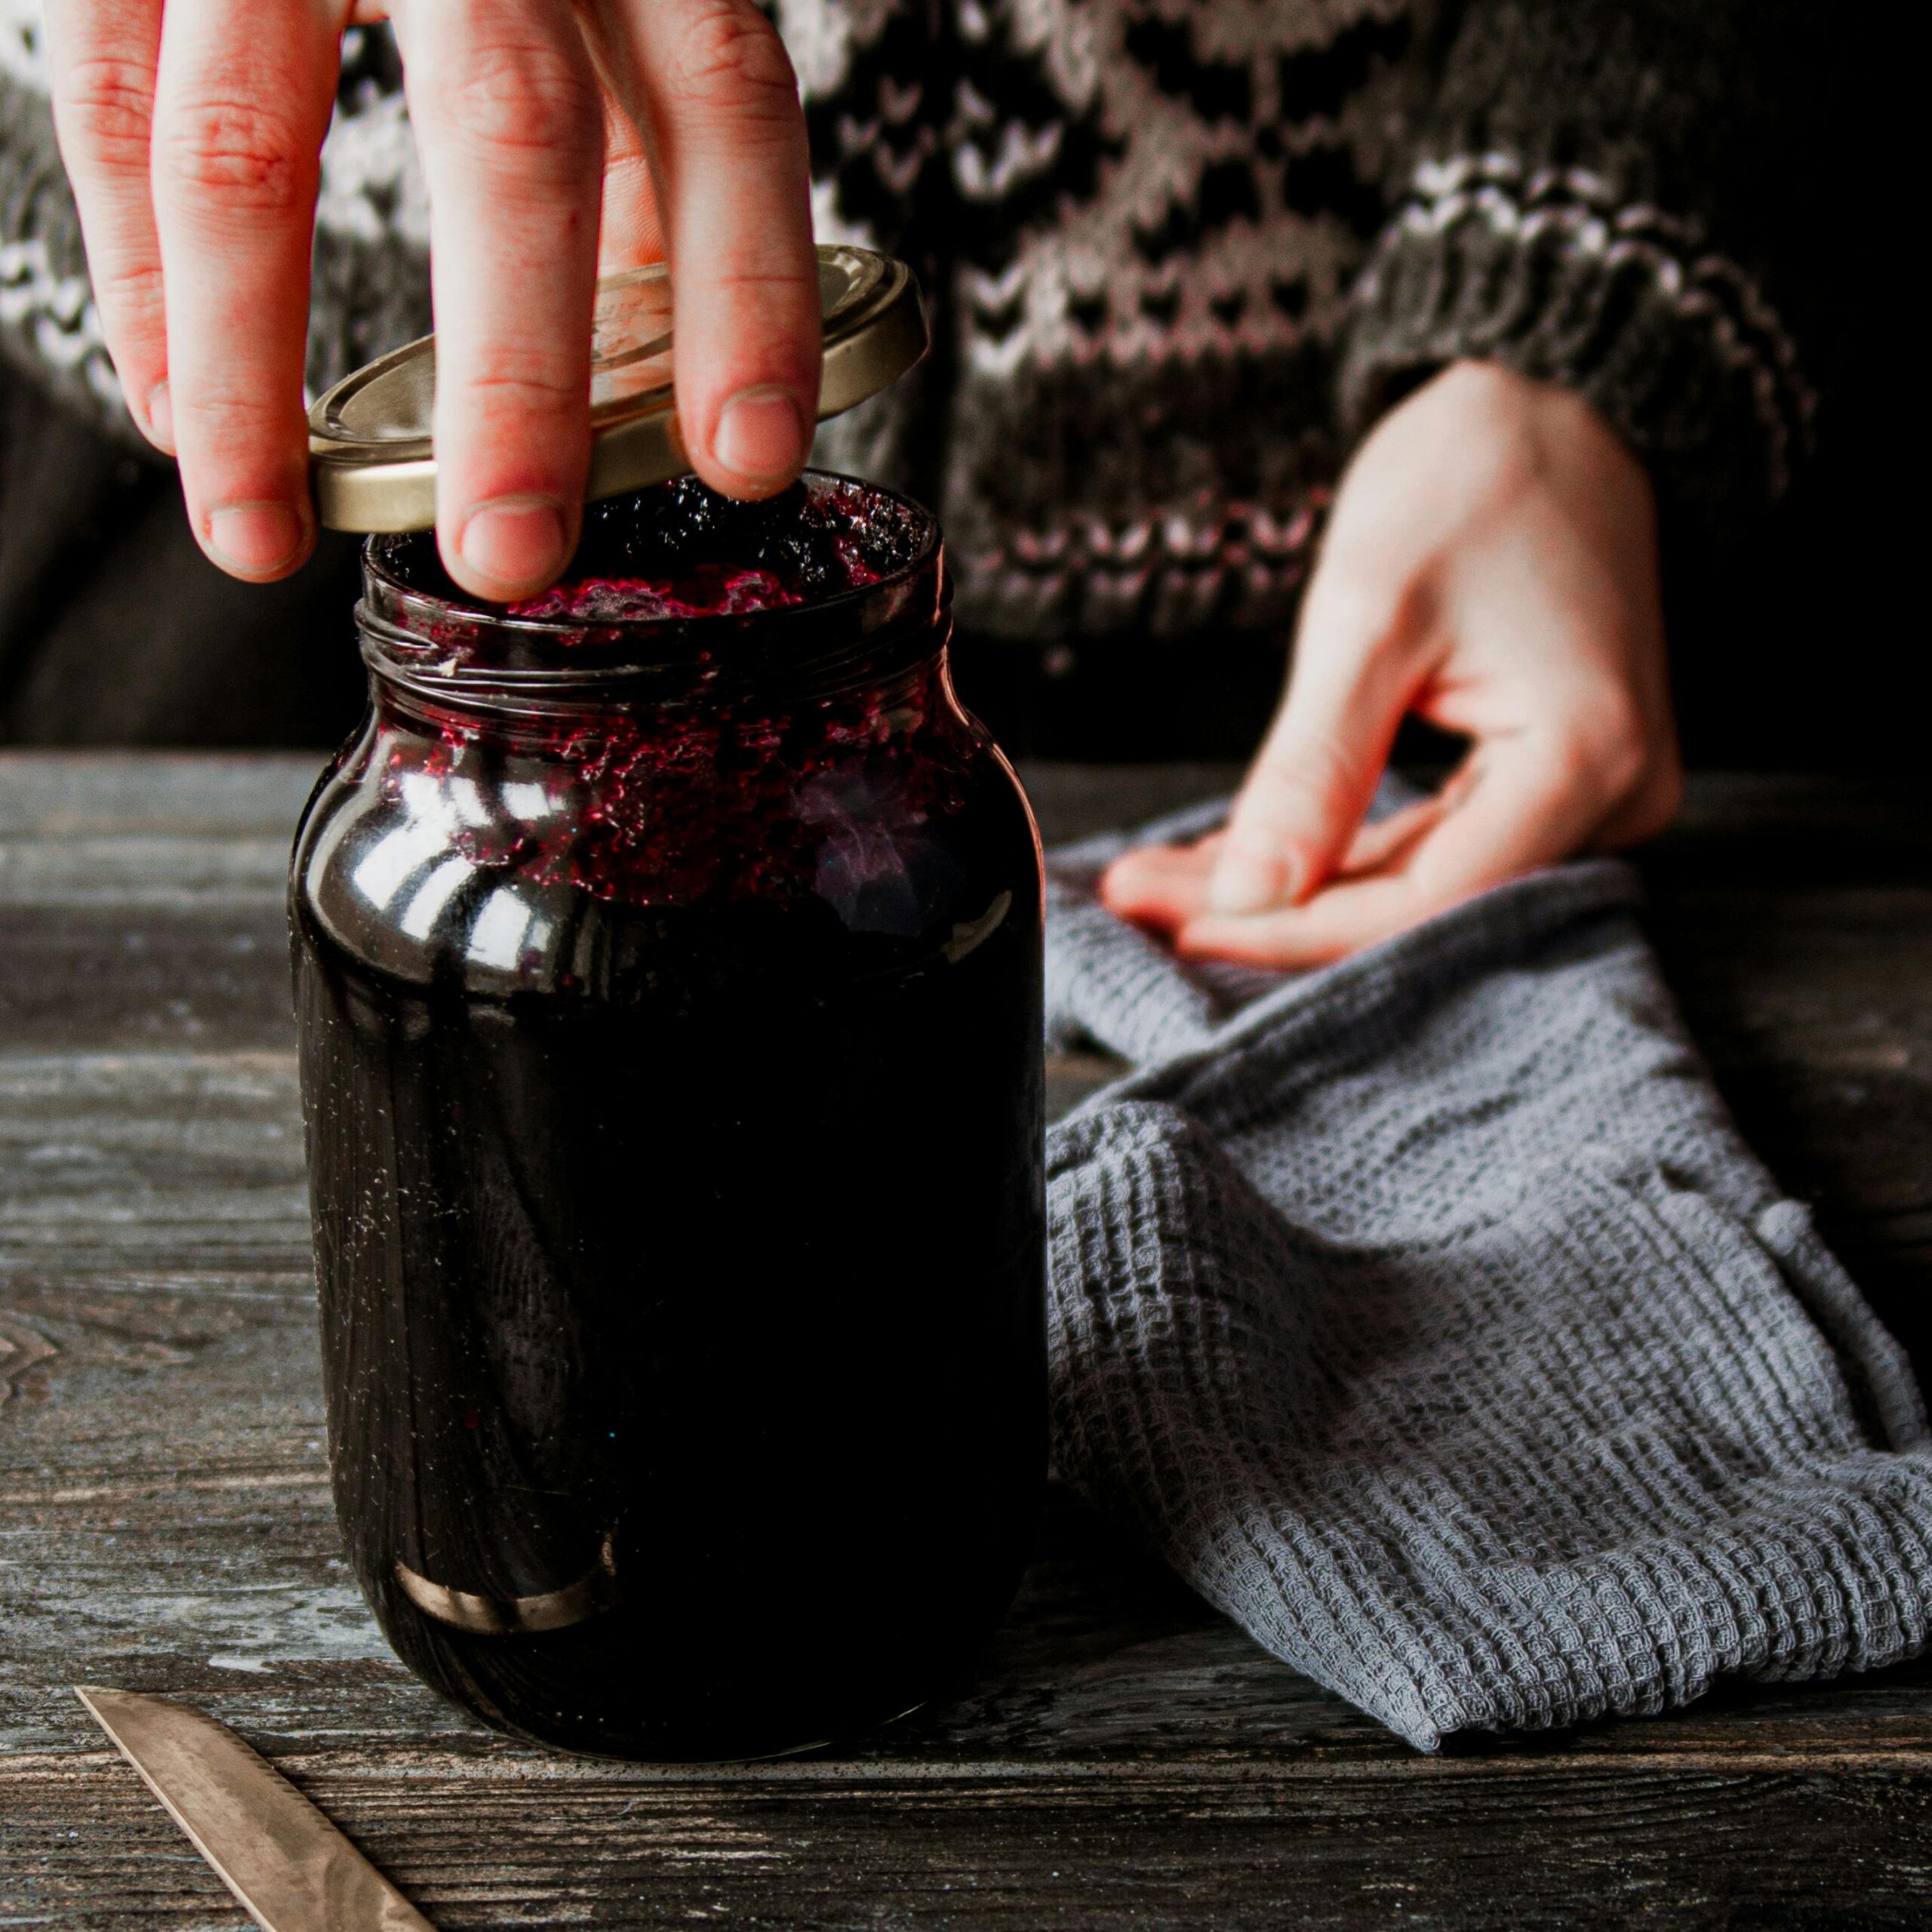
<point>379,563</point>
<point>457,646</point>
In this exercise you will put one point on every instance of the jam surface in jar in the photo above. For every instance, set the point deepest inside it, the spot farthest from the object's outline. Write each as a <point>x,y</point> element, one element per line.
<point>668,967</point>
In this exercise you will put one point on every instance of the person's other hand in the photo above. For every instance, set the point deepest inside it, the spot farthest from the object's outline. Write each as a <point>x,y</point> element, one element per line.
<point>1491,567</point>
<point>191,133</point>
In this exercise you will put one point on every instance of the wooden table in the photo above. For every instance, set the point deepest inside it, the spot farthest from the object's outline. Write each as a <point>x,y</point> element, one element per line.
<point>1128,1758</point>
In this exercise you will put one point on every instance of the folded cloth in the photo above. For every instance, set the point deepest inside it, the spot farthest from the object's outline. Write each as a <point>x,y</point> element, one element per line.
<point>1429,1315</point>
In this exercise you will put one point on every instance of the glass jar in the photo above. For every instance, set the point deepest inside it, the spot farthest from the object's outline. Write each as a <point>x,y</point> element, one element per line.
<point>669,994</point>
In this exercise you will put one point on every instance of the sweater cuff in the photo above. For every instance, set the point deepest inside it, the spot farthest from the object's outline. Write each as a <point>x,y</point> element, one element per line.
<point>1548,273</point>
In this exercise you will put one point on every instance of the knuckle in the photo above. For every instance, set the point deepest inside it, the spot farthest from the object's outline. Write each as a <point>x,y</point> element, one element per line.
<point>1301,781</point>
<point>507,380</point>
<point>756,281</point>
<point>1576,766</point>
<point>776,312</point>
<point>106,107</point>
<point>236,153</point>
<point>133,289</point>
<point>1601,757</point>
<point>530,100</point>
<point>726,59</point>
<point>234,410</point>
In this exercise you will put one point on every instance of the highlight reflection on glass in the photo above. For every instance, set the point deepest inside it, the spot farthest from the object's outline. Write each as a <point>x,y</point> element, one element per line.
<point>419,918</point>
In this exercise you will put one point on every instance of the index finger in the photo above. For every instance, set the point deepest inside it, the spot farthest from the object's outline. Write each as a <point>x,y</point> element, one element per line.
<point>711,89</point>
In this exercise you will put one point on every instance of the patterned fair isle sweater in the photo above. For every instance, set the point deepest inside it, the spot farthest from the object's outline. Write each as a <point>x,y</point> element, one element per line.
<point>1182,251</point>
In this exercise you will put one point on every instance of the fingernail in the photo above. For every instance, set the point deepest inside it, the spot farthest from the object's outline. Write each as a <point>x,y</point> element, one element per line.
<point>257,539</point>
<point>517,541</point>
<point>161,418</point>
<point>1245,882</point>
<point>760,436</point>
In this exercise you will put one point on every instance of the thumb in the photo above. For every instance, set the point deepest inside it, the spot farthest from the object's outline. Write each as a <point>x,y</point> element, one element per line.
<point>1310,784</point>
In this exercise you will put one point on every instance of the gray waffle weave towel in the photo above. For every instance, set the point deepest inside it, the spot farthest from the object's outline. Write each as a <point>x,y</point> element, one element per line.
<point>1428,1315</point>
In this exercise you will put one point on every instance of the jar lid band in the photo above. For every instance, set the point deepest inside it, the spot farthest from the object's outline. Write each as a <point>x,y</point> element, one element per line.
<point>374,465</point>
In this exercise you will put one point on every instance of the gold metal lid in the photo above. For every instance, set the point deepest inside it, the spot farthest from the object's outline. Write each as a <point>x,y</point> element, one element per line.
<point>375,467</point>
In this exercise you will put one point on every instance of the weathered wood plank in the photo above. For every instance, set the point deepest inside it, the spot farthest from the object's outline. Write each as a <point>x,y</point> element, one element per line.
<point>159,1161</point>
<point>62,795</point>
<point>1486,1846</point>
<point>141,899</point>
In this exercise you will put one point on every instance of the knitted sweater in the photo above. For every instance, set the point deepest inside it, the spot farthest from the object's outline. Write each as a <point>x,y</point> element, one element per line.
<point>1182,252</point>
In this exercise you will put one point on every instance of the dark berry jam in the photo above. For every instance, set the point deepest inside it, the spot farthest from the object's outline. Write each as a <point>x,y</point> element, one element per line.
<point>684,552</point>
<point>668,964</point>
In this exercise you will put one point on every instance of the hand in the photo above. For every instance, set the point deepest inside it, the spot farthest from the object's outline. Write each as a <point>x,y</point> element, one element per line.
<point>1491,567</point>
<point>191,136</point>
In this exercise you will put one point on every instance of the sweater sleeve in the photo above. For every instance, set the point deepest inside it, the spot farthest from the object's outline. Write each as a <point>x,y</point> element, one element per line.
<point>1604,195</point>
